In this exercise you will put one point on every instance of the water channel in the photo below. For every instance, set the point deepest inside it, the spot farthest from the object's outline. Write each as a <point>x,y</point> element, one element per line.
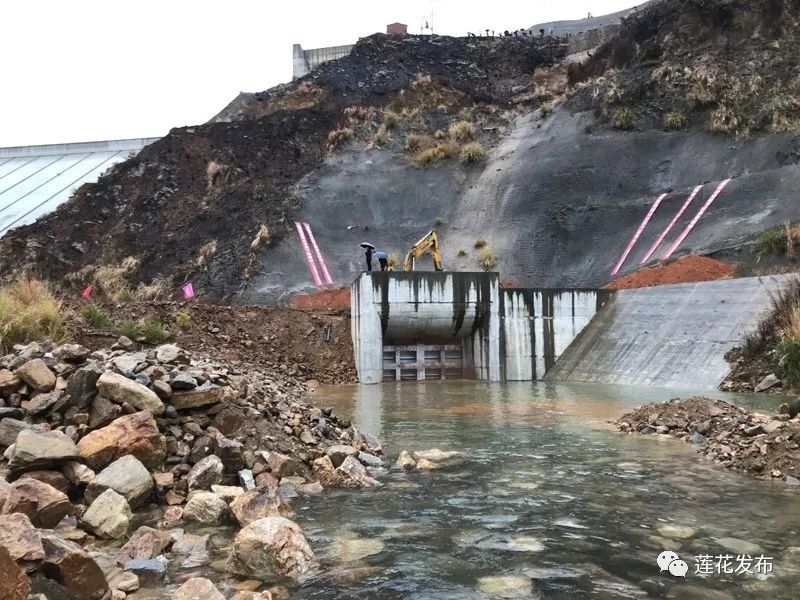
<point>549,502</point>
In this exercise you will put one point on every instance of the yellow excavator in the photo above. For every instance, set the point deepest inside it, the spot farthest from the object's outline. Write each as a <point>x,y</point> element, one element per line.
<point>429,244</point>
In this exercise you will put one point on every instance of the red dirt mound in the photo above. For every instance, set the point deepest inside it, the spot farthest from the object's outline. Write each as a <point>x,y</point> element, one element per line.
<point>323,300</point>
<point>683,270</point>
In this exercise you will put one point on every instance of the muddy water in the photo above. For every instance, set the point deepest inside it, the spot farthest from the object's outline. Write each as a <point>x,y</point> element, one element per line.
<point>550,503</point>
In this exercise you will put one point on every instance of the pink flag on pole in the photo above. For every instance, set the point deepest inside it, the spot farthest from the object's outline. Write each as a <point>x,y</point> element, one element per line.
<point>87,291</point>
<point>188,291</point>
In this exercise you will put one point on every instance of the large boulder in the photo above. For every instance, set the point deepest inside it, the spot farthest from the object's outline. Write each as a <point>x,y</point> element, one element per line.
<point>197,588</point>
<point>205,507</point>
<point>10,429</point>
<point>82,385</point>
<point>40,449</point>
<point>206,473</point>
<point>126,476</point>
<point>271,548</point>
<point>109,516</point>
<point>120,389</point>
<point>15,584</point>
<point>37,375</point>
<point>72,567</point>
<point>145,543</point>
<point>20,538</point>
<point>44,505</point>
<point>257,504</point>
<point>135,434</point>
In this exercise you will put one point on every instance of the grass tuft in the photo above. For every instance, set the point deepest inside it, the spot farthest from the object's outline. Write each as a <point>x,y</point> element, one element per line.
<point>153,330</point>
<point>481,242</point>
<point>461,131</point>
<point>624,118</point>
<point>183,319</point>
<point>472,153</point>
<point>130,329</point>
<point>675,121</point>
<point>487,260</point>
<point>96,317</point>
<point>28,312</point>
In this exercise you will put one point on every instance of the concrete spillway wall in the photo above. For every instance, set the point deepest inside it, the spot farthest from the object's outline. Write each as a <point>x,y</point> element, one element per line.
<point>668,336</point>
<point>428,325</point>
<point>538,325</point>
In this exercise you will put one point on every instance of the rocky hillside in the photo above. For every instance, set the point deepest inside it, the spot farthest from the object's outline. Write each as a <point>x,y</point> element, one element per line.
<point>201,202</point>
<point>529,162</point>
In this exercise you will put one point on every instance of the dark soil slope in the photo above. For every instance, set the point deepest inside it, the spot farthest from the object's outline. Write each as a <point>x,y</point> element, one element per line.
<point>191,204</point>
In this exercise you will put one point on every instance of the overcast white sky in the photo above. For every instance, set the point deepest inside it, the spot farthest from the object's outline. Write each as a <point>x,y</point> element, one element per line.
<point>82,70</point>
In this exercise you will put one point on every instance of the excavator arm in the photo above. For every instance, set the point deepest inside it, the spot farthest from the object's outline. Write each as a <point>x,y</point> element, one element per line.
<point>429,244</point>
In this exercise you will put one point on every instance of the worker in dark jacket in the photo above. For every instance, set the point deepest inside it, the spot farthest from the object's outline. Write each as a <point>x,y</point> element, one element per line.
<point>383,259</point>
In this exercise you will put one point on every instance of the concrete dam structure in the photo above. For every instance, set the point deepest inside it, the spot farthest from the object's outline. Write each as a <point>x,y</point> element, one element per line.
<point>668,336</point>
<point>410,326</point>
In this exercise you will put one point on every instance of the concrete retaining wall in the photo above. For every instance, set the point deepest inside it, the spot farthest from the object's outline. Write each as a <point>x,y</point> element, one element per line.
<point>668,336</point>
<point>538,325</point>
<point>304,61</point>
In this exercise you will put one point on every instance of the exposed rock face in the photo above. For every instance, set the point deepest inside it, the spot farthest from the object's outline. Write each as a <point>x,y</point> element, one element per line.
<point>170,353</point>
<point>37,375</point>
<point>404,462</point>
<point>44,505</point>
<point>150,572</point>
<point>44,403</point>
<point>205,507</point>
<point>116,578</point>
<point>258,504</point>
<point>77,473</point>
<point>82,386</point>
<point>203,395</point>
<point>135,434</point>
<point>9,381</point>
<point>40,449</point>
<point>339,452</point>
<point>281,465</point>
<point>271,548</point>
<point>20,538</point>
<point>206,473</point>
<point>356,472</point>
<point>120,389</point>
<point>69,565</point>
<point>109,515</point>
<point>145,543</point>
<point>15,584</point>
<point>197,588</point>
<point>126,476</point>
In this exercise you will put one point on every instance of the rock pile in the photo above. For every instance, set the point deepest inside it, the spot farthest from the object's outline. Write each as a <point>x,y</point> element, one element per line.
<point>763,445</point>
<point>91,437</point>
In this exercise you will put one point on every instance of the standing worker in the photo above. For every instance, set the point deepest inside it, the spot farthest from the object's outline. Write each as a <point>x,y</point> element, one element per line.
<point>383,259</point>
<point>369,250</point>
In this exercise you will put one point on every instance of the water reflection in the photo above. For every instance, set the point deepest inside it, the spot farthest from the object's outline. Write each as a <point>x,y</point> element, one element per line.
<point>550,502</point>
